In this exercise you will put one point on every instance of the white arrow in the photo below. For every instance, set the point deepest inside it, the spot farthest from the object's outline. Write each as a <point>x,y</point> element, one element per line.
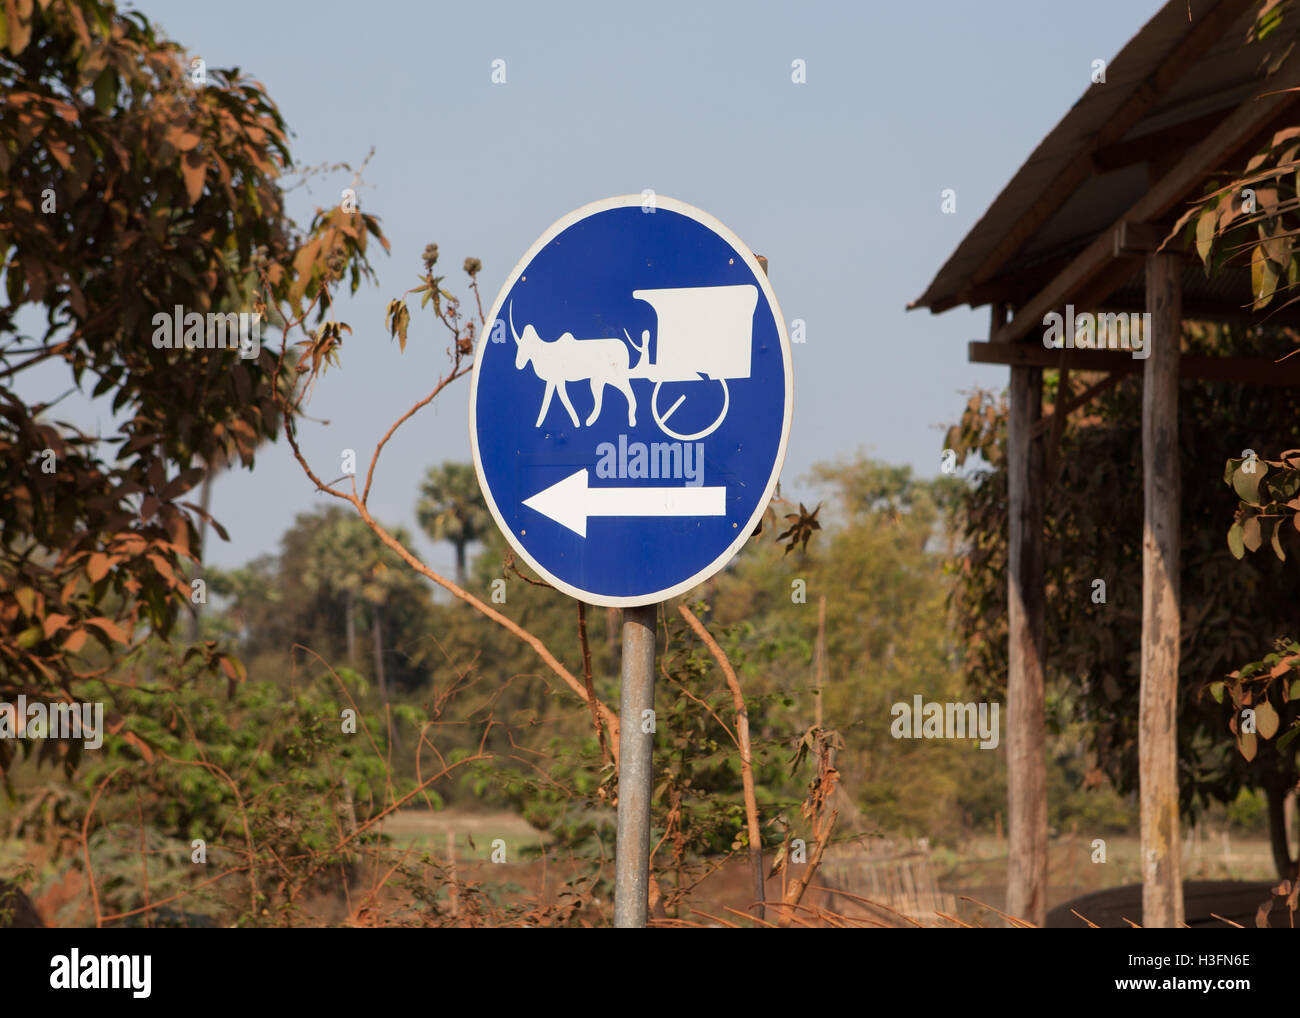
<point>570,502</point>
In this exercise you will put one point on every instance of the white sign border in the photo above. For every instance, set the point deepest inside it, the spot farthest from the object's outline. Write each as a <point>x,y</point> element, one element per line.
<point>556,228</point>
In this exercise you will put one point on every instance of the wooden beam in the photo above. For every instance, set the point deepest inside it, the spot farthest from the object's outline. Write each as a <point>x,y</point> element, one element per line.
<point>1060,290</point>
<point>1115,275</point>
<point>1133,239</point>
<point>1210,155</point>
<point>1200,38</point>
<point>1056,423</point>
<point>1248,370</point>
<point>1162,882</point>
<point>1038,356</point>
<point>997,317</point>
<point>1020,284</point>
<point>1017,286</point>
<point>1063,410</point>
<point>1156,143</point>
<point>1201,310</point>
<point>1026,733</point>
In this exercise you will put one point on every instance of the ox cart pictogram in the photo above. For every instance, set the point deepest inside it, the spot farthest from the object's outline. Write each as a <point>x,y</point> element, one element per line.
<point>704,337</point>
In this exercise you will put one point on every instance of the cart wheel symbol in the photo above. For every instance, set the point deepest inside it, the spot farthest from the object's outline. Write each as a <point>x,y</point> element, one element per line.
<point>662,419</point>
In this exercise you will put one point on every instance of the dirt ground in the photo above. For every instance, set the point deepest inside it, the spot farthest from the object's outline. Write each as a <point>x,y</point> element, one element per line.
<point>973,875</point>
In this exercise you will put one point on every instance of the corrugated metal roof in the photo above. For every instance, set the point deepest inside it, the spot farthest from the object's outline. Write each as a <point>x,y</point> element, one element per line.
<point>1227,73</point>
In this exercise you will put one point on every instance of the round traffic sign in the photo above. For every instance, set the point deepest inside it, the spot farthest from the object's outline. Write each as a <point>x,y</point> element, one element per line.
<point>630,400</point>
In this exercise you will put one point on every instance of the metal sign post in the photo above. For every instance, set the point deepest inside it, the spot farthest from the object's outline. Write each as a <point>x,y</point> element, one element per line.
<point>629,414</point>
<point>635,767</point>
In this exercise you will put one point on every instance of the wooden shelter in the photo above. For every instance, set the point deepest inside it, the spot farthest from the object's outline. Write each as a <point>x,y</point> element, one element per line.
<point>1082,222</point>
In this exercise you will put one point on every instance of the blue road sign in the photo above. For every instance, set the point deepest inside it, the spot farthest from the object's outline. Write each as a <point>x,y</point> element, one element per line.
<point>630,402</point>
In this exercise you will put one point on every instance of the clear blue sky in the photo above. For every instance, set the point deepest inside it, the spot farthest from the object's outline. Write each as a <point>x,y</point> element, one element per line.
<point>837,181</point>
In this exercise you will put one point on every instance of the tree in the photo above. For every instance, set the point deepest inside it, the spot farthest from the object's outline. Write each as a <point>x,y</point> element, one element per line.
<point>1231,613</point>
<point>385,579</point>
<point>881,566</point>
<point>347,561</point>
<point>131,183</point>
<point>451,508</point>
<point>335,570</point>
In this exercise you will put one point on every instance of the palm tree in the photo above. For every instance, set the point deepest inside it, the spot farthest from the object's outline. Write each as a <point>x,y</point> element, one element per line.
<point>451,508</point>
<point>336,568</point>
<point>384,577</point>
<point>349,561</point>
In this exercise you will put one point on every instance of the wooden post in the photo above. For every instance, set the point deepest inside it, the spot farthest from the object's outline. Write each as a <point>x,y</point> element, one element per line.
<point>453,886</point>
<point>1026,737</point>
<point>1162,886</point>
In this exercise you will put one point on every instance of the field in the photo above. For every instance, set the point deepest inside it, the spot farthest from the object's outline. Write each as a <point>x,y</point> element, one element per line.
<point>976,869</point>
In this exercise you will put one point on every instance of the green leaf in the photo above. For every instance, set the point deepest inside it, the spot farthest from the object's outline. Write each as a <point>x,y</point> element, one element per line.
<point>1216,691</point>
<point>1246,482</point>
<point>106,91</point>
<point>26,598</point>
<point>1205,235</point>
<point>1266,720</point>
<point>1284,484</point>
<point>1263,277</point>
<point>1287,736</point>
<point>1250,533</point>
<point>30,637</point>
<point>1235,544</point>
<point>1267,21</point>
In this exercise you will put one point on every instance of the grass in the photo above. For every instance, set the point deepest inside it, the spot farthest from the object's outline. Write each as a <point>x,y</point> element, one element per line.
<point>473,833</point>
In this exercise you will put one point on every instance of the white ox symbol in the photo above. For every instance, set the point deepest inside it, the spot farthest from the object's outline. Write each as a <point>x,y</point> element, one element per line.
<point>705,337</point>
<point>600,362</point>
